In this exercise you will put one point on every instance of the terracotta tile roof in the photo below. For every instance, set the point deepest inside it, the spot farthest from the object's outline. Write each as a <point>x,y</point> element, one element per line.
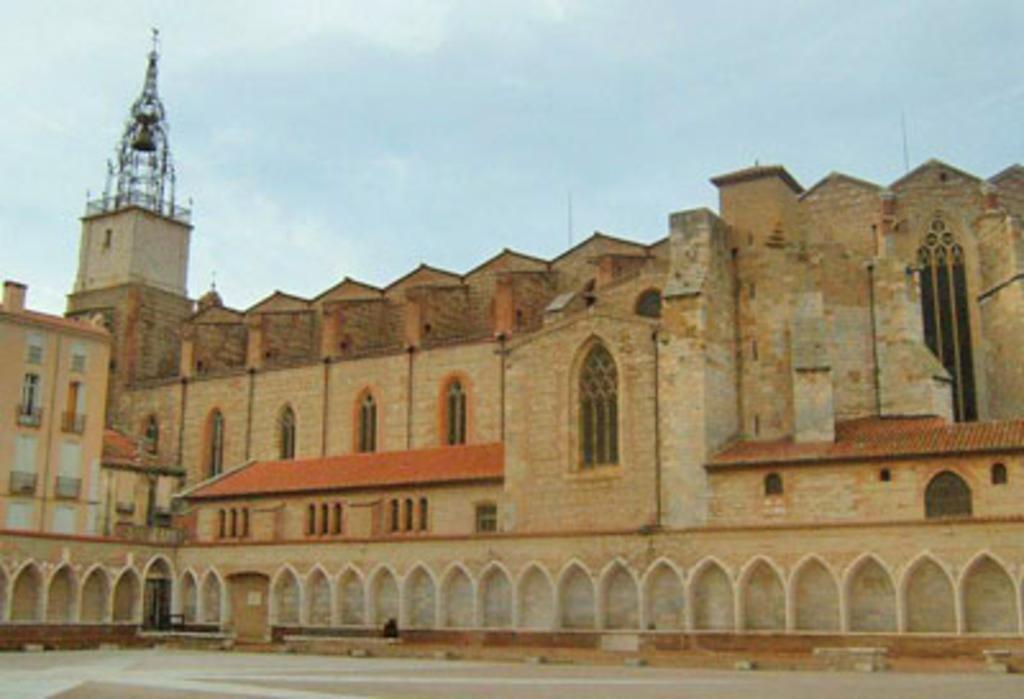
<point>120,449</point>
<point>880,438</point>
<point>57,322</point>
<point>483,462</point>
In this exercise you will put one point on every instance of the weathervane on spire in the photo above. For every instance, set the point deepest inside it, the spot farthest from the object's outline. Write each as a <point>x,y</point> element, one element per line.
<point>142,173</point>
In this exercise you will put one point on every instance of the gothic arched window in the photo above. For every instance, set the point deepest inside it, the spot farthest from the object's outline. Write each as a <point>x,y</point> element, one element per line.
<point>947,495</point>
<point>215,444</point>
<point>368,423</point>
<point>286,440</point>
<point>649,304</point>
<point>945,310</point>
<point>599,409</point>
<point>455,413</point>
<point>152,434</point>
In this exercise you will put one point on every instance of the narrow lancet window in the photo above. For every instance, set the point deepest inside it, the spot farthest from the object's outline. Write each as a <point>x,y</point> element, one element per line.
<point>946,314</point>
<point>599,410</point>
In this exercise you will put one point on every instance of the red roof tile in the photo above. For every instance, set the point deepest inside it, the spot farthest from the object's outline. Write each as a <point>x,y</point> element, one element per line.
<point>58,323</point>
<point>119,447</point>
<point>874,438</point>
<point>121,450</point>
<point>483,462</point>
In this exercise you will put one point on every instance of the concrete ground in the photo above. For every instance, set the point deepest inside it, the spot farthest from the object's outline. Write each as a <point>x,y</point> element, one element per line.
<point>157,674</point>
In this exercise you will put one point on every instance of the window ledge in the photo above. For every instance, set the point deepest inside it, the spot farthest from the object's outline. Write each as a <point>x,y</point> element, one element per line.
<point>596,473</point>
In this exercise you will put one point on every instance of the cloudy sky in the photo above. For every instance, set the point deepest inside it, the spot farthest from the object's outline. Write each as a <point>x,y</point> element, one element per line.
<point>325,139</point>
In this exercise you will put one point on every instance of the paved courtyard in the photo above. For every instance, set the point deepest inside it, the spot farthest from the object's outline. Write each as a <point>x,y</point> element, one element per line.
<point>159,674</point>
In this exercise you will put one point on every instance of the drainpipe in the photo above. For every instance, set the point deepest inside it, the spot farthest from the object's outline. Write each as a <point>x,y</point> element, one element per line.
<point>324,408</point>
<point>408,392</point>
<point>181,421</point>
<point>501,353</point>
<point>248,413</point>
<point>876,371</point>
<point>657,434</point>
<point>48,447</point>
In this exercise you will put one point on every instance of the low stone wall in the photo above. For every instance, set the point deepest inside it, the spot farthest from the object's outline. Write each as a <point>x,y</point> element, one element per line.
<point>70,636</point>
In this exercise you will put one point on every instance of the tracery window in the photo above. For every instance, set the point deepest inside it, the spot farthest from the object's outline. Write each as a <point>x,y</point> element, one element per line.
<point>368,424</point>
<point>649,304</point>
<point>286,438</point>
<point>216,443</point>
<point>947,495</point>
<point>946,315</point>
<point>599,409</point>
<point>455,413</point>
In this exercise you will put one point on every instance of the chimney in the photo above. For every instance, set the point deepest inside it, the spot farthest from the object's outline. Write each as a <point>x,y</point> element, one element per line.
<point>14,296</point>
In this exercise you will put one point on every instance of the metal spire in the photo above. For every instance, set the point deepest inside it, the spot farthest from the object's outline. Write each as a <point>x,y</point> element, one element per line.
<point>143,171</point>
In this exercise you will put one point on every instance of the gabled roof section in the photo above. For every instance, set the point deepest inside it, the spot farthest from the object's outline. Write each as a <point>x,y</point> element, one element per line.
<point>839,178</point>
<point>75,325</point>
<point>757,172</point>
<point>436,466</point>
<point>930,166</point>
<point>509,261</point>
<point>424,274</point>
<point>1015,171</point>
<point>602,243</point>
<point>881,438</point>
<point>279,301</point>
<point>349,288</point>
<point>217,315</point>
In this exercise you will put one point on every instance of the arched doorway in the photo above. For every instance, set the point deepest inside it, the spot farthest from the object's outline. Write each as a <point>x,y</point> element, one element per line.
<point>156,600</point>
<point>249,605</point>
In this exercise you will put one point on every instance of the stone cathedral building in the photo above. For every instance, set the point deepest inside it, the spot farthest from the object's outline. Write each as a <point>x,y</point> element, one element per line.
<point>802,415</point>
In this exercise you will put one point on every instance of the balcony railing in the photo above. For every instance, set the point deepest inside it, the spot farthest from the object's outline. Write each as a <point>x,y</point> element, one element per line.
<point>125,508</point>
<point>68,487</point>
<point>29,415</point>
<point>150,535</point>
<point>73,422</point>
<point>105,205</point>
<point>23,482</point>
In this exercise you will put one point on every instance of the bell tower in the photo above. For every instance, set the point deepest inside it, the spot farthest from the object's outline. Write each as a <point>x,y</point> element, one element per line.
<point>133,251</point>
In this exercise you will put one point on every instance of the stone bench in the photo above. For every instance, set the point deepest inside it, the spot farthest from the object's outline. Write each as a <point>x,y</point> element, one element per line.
<point>860,658</point>
<point>997,659</point>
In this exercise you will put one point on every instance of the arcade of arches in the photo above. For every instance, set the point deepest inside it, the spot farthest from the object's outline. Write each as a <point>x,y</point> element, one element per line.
<point>868,594</point>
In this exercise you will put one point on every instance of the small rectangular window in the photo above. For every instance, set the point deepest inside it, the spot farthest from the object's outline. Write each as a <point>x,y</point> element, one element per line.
<point>408,515</point>
<point>25,453</point>
<point>34,349</point>
<point>424,515</point>
<point>486,518</point>
<point>19,515</point>
<point>78,358</point>
<point>31,396</point>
